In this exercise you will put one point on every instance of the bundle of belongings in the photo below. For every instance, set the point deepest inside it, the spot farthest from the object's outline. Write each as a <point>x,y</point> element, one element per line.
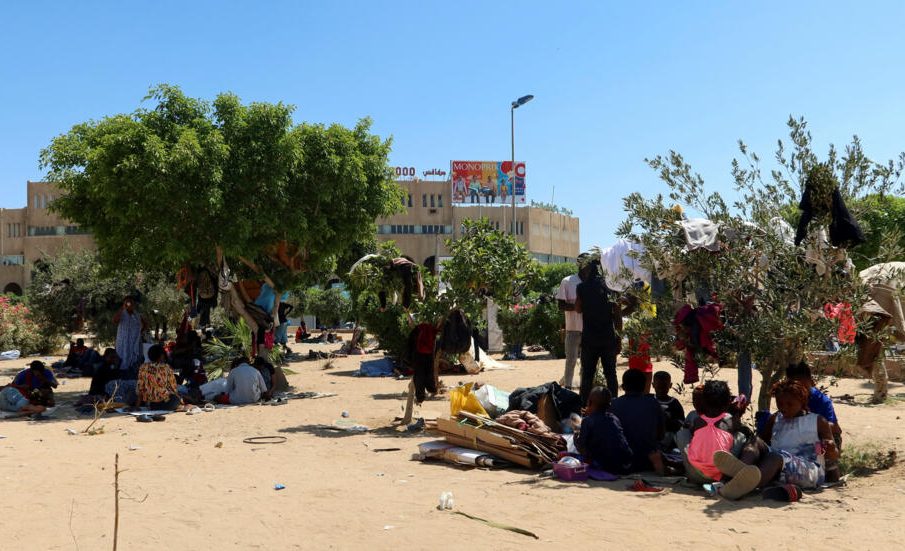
<point>526,433</point>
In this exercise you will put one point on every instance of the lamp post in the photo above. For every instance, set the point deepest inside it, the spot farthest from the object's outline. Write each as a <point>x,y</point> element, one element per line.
<point>515,105</point>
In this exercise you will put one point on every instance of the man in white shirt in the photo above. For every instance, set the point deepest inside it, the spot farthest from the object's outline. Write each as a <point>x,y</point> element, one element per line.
<point>565,296</point>
<point>245,384</point>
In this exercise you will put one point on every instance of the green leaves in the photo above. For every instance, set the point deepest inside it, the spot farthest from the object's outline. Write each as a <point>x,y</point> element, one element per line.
<point>168,183</point>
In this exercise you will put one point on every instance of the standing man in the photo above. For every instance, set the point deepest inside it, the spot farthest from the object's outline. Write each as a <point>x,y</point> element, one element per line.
<point>565,297</point>
<point>600,319</point>
<point>130,326</point>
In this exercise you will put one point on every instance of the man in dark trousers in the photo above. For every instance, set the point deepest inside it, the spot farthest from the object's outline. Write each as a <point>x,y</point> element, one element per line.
<point>601,324</point>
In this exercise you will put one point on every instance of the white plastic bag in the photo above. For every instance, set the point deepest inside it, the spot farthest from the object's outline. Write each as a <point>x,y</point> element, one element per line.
<point>494,400</point>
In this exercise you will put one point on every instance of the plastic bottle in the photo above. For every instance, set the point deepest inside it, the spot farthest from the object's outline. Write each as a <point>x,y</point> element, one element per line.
<point>446,501</point>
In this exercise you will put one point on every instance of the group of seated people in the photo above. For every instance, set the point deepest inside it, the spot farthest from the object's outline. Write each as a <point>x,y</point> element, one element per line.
<point>175,378</point>
<point>797,447</point>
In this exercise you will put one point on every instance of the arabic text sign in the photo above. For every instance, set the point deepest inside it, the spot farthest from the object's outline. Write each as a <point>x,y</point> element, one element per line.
<point>486,181</point>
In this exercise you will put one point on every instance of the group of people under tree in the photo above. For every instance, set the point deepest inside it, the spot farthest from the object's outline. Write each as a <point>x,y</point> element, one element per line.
<point>796,447</point>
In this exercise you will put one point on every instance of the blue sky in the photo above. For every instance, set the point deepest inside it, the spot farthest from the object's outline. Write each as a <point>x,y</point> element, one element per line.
<point>614,82</point>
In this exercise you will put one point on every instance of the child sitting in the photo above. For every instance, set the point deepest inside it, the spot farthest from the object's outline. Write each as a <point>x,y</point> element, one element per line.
<point>714,430</point>
<point>818,402</point>
<point>799,443</point>
<point>601,440</point>
<point>673,411</point>
<point>642,421</point>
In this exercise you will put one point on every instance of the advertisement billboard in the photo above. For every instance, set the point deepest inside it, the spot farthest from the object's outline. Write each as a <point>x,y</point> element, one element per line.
<point>487,182</point>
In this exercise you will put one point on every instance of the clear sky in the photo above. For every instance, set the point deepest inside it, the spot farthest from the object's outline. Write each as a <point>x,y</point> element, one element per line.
<point>615,82</point>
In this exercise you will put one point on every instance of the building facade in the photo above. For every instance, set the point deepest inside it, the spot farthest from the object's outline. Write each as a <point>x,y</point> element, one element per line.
<point>430,219</point>
<point>31,233</point>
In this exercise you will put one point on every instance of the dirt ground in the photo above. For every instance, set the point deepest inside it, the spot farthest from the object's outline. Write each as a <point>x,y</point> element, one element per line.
<point>191,482</point>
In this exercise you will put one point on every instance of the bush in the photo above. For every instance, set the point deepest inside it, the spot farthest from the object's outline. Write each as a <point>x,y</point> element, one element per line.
<point>544,328</point>
<point>865,459</point>
<point>331,306</point>
<point>551,275</point>
<point>536,322</point>
<point>18,330</point>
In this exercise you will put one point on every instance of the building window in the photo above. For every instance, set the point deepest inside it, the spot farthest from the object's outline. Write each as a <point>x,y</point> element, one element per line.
<point>433,205</point>
<point>424,200</point>
<point>440,200</point>
<point>37,201</point>
<point>410,200</point>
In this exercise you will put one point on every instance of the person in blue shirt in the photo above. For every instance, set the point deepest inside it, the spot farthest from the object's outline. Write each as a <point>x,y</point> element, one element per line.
<point>601,440</point>
<point>38,382</point>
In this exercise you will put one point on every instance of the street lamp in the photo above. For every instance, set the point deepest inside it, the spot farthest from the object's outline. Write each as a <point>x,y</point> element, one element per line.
<point>515,105</point>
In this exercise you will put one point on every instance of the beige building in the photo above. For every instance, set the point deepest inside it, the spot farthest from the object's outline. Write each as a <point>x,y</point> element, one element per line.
<point>31,233</point>
<point>430,219</point>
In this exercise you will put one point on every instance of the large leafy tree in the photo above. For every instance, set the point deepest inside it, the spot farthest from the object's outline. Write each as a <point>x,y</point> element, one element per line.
<point>182,179</point>
<point>772,294</point>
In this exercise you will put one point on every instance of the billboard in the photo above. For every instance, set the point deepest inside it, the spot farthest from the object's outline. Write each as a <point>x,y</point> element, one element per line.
<point>487,182</point>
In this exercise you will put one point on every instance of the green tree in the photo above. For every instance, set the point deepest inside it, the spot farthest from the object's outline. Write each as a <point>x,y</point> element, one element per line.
<point>331,306</point>
<point>184,180</point>
<point>486,261</point>
<point>882,218</point>
<point>75,286</point>
<point>755,264</point>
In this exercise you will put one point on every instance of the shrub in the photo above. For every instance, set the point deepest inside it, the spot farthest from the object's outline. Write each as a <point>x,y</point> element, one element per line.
<point>18,329</point>
<point>865,459</point>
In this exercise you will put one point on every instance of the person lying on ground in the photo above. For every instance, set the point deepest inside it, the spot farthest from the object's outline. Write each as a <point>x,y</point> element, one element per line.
<point>38,382</point>
<point>14,400</point>
<point>642,421</point>
<point>792,448</point>
<point>156,383</point>
<point>673,412</point>
<point>601,440</point>
<point>244,384</point>
<point>108,371</point>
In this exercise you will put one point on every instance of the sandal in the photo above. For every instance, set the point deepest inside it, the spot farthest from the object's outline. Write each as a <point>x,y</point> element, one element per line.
<point>209,407</point>
<point>158,417</point>
<point>786,492</point>
<point>143,418</point>
<point>643,486</point>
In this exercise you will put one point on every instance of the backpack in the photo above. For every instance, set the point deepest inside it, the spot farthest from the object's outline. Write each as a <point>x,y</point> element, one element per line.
<point>456,336</point>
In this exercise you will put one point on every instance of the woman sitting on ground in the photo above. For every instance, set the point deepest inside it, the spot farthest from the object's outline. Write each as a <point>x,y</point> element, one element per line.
<point>156,386</point>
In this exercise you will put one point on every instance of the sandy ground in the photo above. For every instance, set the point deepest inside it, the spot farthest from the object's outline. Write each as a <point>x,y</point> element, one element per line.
<point>182,489</point>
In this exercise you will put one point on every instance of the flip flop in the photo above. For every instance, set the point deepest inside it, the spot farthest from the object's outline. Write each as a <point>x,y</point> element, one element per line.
<point>158,417</point>
<point>643,486</point>
<point>209,407</point>
<point>143,418</point>
<point>786,492</point>
<point>727,463</point>
<point>193,411</point>
<point>743,483</point>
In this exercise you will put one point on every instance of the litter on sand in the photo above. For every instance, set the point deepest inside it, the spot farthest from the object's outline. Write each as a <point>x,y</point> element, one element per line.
<point>493,524</point>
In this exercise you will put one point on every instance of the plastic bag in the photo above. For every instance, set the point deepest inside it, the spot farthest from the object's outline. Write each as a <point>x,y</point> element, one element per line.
<point>462,398</point>
<point>494,400</point>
